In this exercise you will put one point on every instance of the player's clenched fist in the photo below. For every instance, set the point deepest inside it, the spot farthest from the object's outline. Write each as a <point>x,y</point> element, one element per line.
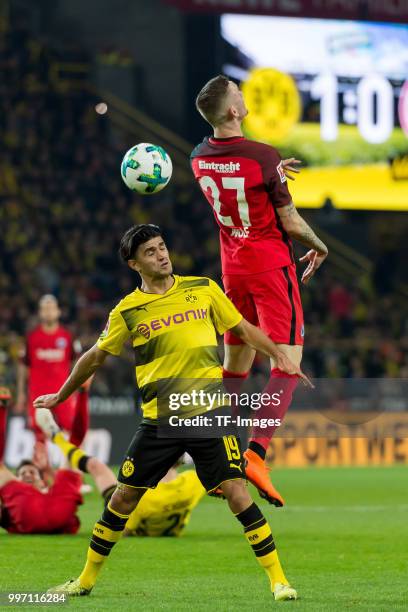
<point>46,401</point>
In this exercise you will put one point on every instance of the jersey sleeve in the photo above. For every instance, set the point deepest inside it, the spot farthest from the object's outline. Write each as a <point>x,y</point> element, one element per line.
<point>275,178</point>
<point>115,334</point>
<point>224,314</point>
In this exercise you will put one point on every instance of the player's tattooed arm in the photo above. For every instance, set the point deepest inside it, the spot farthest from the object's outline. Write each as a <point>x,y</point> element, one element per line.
<point>298,229</point>
<point>82,370</point>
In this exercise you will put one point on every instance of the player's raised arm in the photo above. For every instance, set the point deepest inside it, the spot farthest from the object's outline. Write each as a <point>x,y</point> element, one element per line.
<point>83,369</point>
<point>298,229</point>
<point>255,337</point>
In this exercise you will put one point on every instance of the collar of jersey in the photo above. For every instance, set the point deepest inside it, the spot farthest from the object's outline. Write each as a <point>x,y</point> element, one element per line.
<point>172,288</point>
<point>225,141</point>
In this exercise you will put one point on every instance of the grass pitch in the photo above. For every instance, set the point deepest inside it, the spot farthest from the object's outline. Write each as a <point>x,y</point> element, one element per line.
<point>342,539</point>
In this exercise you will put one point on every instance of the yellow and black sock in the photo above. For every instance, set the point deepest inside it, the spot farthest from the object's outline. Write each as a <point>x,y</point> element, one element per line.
<point>106,532</point>
<point>259,535</point>
<point>76,456</point>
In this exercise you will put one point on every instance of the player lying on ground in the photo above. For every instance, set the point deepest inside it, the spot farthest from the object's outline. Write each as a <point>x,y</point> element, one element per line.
<point>245,183</point>
<point>166,510</point>
<point>170,344</point>
<point>163,511</point>
<point>28,506</point>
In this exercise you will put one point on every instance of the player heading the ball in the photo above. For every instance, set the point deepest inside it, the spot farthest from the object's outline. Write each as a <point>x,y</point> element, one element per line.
<point>245,184</point>
<point>190,353</point>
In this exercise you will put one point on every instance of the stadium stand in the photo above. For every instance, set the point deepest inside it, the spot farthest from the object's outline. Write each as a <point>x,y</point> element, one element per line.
<point>63,207</point>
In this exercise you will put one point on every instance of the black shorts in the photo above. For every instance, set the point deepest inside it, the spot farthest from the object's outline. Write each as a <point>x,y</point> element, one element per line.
<point>149,458</point>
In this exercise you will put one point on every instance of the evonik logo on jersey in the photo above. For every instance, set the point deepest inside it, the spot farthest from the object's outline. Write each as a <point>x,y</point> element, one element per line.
<point>229,167</point>
<point>145,329</point>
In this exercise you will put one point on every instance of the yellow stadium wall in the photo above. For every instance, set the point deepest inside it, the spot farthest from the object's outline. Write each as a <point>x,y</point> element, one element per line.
<point>311,439</point>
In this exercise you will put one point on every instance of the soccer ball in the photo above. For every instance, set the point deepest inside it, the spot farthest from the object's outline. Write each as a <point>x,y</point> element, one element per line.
<point>146,168</point>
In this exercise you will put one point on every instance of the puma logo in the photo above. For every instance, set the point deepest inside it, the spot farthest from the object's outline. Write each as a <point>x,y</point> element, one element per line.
<point>234,465</point>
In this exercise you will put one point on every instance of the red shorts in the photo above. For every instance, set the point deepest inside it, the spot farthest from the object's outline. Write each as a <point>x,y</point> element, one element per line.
<point>64,414</point>
<point>30,511</point>
<point>270,300</point>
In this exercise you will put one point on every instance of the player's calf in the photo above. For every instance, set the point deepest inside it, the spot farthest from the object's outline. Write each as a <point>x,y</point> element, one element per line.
<point>259,536</point>
<point>107,532</point>
<point>236,494</point>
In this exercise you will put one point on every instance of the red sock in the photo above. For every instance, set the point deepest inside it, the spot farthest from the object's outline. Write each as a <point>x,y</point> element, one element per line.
<point>3,422</point>
<point>80,423</point>
<point>279,381</point>
<point>233,382</point>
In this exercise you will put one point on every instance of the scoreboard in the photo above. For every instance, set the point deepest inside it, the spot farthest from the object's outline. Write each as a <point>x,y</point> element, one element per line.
<point>334,94</point>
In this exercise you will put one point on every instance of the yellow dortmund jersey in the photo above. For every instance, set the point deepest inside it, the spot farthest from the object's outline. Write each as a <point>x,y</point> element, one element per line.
<point>174,335</point>
<point>166,510</point>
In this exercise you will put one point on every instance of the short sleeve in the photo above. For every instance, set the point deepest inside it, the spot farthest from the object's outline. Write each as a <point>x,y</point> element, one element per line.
<point>114,335</point>
<point>224,314</point>
<point>276,181</point>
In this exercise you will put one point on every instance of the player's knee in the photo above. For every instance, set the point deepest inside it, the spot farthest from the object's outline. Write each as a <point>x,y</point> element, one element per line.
<point>236,493</point>
<point>125,499</point>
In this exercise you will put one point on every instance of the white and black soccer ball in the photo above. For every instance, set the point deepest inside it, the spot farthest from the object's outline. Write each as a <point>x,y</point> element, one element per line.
<point>146,168</point>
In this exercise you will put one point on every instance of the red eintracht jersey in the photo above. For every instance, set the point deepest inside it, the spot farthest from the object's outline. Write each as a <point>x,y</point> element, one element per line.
<point>29,510</point>
<point>49,358</point>
<point>244,182</point>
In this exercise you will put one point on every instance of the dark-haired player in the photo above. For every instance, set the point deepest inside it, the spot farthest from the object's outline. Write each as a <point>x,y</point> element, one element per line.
<point>245,183</point>
<point>172,323</point>
<point>29,506</point>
